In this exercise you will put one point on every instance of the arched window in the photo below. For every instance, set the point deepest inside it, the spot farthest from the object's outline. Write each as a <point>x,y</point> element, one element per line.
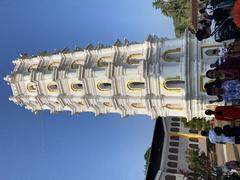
<point>193,139</point>
<point>81,103</point>
<point>173,157</point>
<point>172,55</point>
<point>53,65</point>
<point>135,86</point>
<point>174,129</point>
<point>174,144</point>
<point>212,52</point>
<point>108,104</point>
<point>32,87</point>
<point>175,124</point>
<point>173,171</point>
<point>174,106</point>
<point>170,177</point>
<point>138,105</point>
<point>193,146</point>
<point>75,64</point>
<point>53,87</point>
<point>76,86</point>
<point>174,84</point>
<point>172,164</point>
<point>176,138</point>
<point>104,86</point>
<point>32,67</point>
<point>103,61</point>
<point>134,58</point>
<point>173,150</point>
<point>175,119</point>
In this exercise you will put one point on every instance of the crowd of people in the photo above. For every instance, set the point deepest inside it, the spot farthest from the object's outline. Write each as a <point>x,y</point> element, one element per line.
<point>225,85</point>
<point>219,18</point>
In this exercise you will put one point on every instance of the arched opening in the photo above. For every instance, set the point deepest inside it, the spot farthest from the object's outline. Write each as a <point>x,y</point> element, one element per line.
<point>173,150</point>
<point>174,106</point>
<point>176,138</point>
<point>136,85</point>
<point>176,144</point>
<point>103,61</point>
<point>170,177</point>
<point>53,87</point>
<point>138,105</point>
<point>134,58</point>
<point>75,64</point>
<point>53,65</point>
<point>173,157</point>
<point>193,139</point>
<point>193,146</point>
<point>76,86</point>
<point>32,87</point>
<point>108,104</point>
<point>212,52</point>
<point>104,86</point>
<point>172,55</point>
<point>174,129</point>
<point>33,67</point>
<point>172,164</point>
<point>175,84</point>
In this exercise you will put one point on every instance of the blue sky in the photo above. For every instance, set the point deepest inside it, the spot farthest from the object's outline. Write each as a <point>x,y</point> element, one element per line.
<point>61,146</point>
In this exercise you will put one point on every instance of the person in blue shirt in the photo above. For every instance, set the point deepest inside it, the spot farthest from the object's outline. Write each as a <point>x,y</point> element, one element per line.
<point>229,91</point>
<point>227,134</point>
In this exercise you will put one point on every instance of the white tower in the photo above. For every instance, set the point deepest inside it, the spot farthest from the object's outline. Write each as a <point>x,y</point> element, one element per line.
<point>159,77</point>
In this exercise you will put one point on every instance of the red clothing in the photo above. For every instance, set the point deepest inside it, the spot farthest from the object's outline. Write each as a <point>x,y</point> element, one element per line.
<point>227,113</point>
<point>230,74</point>
<point>236,13</point>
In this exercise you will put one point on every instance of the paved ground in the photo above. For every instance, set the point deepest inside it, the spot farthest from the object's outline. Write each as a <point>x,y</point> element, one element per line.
<point>226,152</point>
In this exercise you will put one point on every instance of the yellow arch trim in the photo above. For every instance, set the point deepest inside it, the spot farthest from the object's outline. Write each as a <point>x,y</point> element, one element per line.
<point>71,86</point>
<point>163,84</point>
<point>98,85</point>
<point>177,50</point>
<point>52,91</point>
<point>129,89</point>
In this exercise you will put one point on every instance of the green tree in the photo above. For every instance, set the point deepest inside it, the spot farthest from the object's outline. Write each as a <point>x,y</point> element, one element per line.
<point>196,124</point>
<point>147,158</point>
<point>199,164</point>
<point>179,11</point>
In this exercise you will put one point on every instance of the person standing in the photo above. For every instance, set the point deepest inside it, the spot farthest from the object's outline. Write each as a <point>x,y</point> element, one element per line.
<point>225,113</point>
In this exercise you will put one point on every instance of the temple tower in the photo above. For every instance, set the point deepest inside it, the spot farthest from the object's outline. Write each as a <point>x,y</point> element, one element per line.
<point>159,77</point>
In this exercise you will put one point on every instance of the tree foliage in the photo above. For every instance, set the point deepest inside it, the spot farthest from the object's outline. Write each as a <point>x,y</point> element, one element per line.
<point>179,11</point>
<point>147,157</point>
<point>196,124</point>
<point>199,163</point>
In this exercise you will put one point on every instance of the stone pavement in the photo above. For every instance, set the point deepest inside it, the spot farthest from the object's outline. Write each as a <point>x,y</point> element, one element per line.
<point>226,152</point>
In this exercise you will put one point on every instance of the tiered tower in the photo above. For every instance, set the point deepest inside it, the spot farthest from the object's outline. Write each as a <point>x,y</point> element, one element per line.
<point>159,77</point>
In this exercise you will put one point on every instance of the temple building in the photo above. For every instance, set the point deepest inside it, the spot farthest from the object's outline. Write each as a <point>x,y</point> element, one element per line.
<point>168,150</point>
<point>159,77</point>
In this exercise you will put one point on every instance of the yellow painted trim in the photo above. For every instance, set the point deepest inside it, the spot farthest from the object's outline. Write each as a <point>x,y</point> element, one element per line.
<point>186,135</point>
<point>71,86</point>
<point>77,62</point>
<point>130,89</point>
<point>177,50</point>
<point>100,82</point>
<point>31,90</point>
<point>53,91</point>
<point>163,84</point>
<point>32,67</point>
<point>134,105</point>
<point>53,64</point>
<point>104,59</point>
